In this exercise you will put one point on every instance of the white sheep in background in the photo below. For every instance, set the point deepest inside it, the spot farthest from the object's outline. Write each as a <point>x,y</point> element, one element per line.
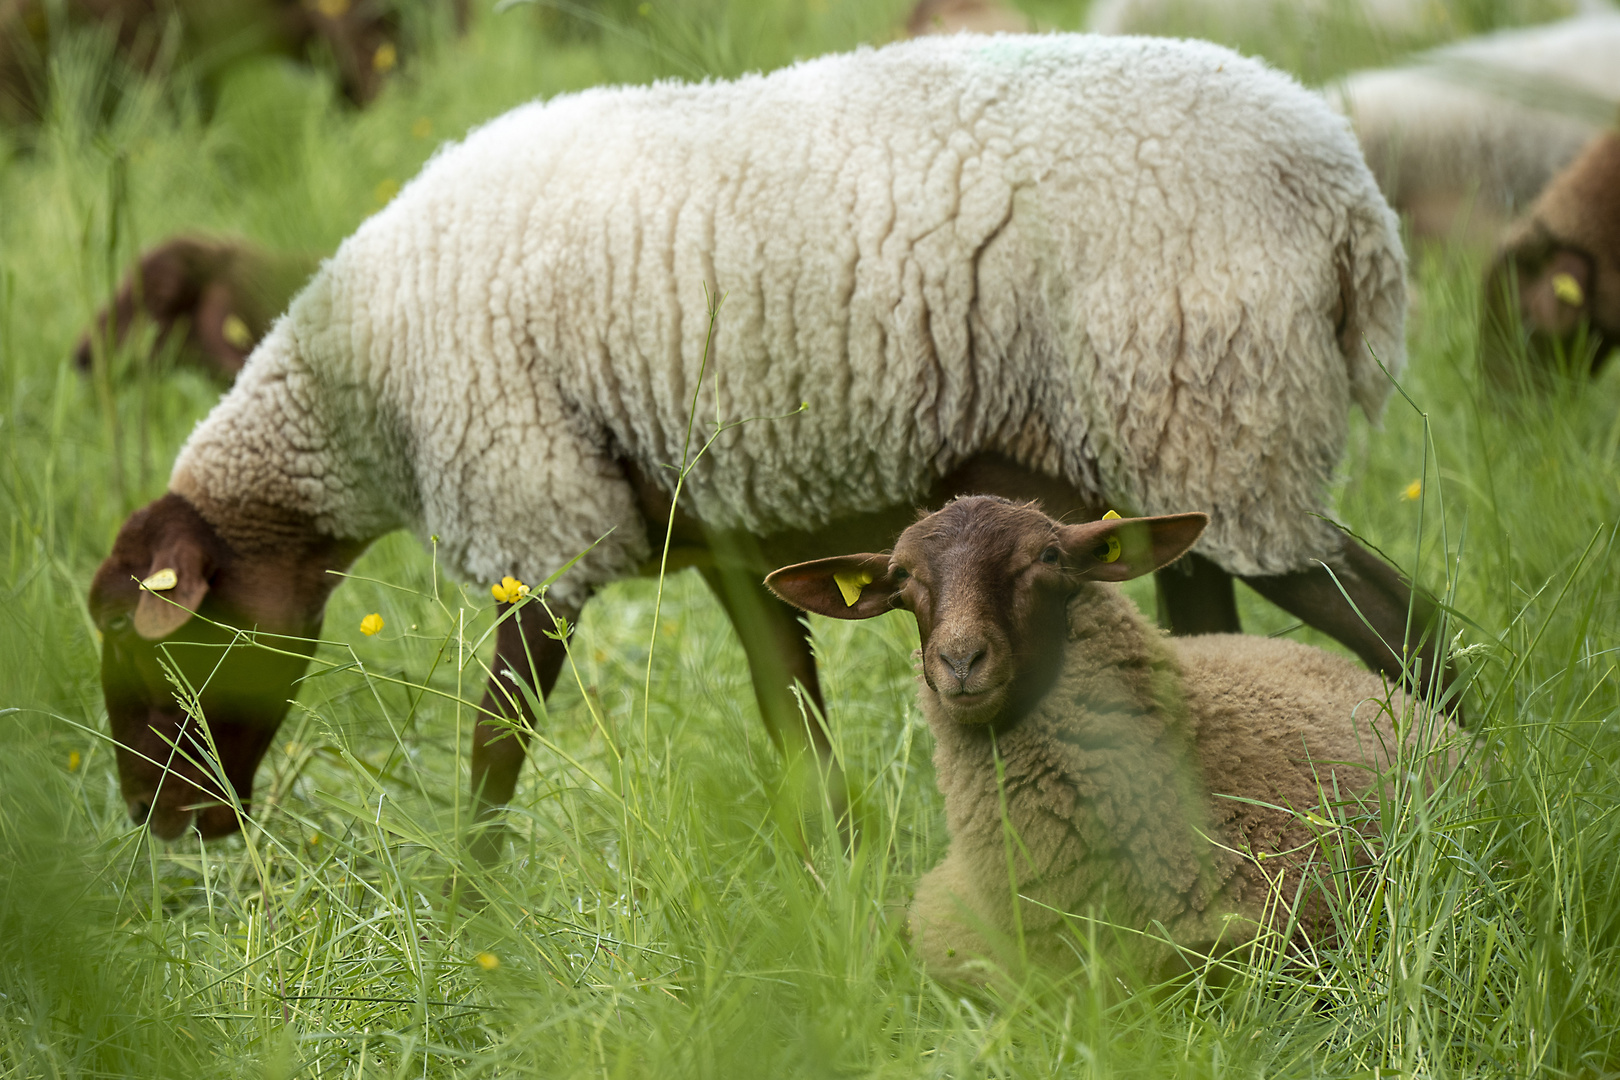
<point>1129,271</point>
<point>1484,124</point>
<point>1175,786</point>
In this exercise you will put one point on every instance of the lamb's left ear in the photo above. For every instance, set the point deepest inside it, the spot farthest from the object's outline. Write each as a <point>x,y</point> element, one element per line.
<point>842,587</point>
<point>1118,549</point>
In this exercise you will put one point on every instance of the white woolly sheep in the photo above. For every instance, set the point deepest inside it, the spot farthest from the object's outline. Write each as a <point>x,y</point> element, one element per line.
<point>1484,124</point>
<point>1092,766</point>
<point>1093,270</point>
<point>1224,18</point>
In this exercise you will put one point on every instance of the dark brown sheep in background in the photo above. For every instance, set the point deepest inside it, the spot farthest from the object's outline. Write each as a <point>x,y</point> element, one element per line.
<point>1178,787</point>
<point>363,40</point>
<point>1555,284</point>
<point>221,294</point>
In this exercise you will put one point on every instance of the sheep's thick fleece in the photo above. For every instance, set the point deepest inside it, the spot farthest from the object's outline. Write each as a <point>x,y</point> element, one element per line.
<point>1147,266</point>
<point>1126,787</point>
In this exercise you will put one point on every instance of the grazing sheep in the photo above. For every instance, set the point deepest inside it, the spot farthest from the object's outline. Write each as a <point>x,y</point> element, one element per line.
<point>361,38</point>
<point>222,293</point>
<point>1557,274</point>
<point>1484,124</point>
<point>1162,783</point>
<point>1083,269</point>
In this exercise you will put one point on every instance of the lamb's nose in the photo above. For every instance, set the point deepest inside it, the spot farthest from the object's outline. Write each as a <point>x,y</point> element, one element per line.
<point>961,665</point>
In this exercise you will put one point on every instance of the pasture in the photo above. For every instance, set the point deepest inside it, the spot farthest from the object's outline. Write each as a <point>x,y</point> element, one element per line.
<point>676,902</point>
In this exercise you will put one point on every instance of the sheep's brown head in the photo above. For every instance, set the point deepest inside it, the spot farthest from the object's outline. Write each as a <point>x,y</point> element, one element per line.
<point>1552,296</point>
<point>172,602</point>
<point>988,581</point>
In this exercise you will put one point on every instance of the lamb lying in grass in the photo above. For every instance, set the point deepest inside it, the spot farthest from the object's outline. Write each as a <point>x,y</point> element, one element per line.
<point>1175,786</point>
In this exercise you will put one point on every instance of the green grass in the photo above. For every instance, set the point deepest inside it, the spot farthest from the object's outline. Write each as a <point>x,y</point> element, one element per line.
<point>659,915</point>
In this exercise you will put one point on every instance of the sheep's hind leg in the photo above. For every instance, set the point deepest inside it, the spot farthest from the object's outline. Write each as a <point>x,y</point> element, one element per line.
<point>1377,626</point>
<point>1196,597</point>
<point>523,651</point>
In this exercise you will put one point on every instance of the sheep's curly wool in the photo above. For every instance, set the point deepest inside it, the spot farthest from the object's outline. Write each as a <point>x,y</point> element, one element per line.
<point>1143,785</point>
<point>1146,266</point>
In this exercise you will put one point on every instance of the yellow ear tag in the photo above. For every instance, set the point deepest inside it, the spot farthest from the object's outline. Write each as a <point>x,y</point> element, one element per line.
<point>236,332</point>
<point>1108,550</point>
<point>162,581</point>
<point>852,584</point>
<point>1568,290</point>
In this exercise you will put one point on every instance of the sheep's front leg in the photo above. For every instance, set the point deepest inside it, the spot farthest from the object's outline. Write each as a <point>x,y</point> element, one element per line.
<point>523,651</point>
<point>1383,598</point>
<point>1196,597</point>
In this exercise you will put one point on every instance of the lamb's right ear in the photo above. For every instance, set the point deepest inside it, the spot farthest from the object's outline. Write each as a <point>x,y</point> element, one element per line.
<point>1118,549</point>
<point>842,587</point>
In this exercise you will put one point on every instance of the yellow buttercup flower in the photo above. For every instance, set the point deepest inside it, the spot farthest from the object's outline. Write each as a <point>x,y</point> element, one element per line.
<point>385,191</point>
<point>1413,491</point>
<point>73,760</point>
<point>371,624</point>
<point>488,961</point>
<point>509,591</point>
<point>385,57</point>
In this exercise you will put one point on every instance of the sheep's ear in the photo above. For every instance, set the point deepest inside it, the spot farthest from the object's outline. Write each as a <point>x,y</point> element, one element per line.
<point>843,587</point>
<point>172,588</point>
<point>1118,549</point>
<point>1557,298</point>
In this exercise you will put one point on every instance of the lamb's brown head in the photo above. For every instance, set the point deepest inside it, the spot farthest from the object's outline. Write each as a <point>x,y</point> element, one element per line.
<point>1553,293</point>
<point>988,581</point>
<point>171,602</point>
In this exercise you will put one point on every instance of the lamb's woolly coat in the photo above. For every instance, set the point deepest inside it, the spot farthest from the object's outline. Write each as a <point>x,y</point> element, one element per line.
<point>1491,119</point>
<point>1125,789</point>
<point>1121,261</point>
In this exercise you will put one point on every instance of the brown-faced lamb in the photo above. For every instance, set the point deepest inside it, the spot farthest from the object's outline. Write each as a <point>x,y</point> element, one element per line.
<point>1090,270</point>
<point>1093,767</point>
<point>1554,287</point>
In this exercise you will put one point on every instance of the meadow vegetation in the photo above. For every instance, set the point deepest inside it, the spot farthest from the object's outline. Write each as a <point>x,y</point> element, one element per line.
<point>661,913</point>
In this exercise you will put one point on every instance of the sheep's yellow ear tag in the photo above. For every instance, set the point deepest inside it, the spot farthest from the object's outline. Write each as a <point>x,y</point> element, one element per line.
<point>1568,290</point>
<point>852,584</point>
<point>1109,549</point>
<point>162,581</point>
<point>236,332</point>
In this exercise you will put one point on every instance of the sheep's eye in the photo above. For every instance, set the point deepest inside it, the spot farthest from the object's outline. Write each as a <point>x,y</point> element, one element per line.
<point>118,624</point>
<point>1051,556</point>
<point>899,575</point>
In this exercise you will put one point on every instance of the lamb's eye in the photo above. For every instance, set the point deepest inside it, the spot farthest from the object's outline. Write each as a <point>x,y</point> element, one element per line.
<point>118,624</point>
<point>1051,556</point>
<point>899,575</point>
